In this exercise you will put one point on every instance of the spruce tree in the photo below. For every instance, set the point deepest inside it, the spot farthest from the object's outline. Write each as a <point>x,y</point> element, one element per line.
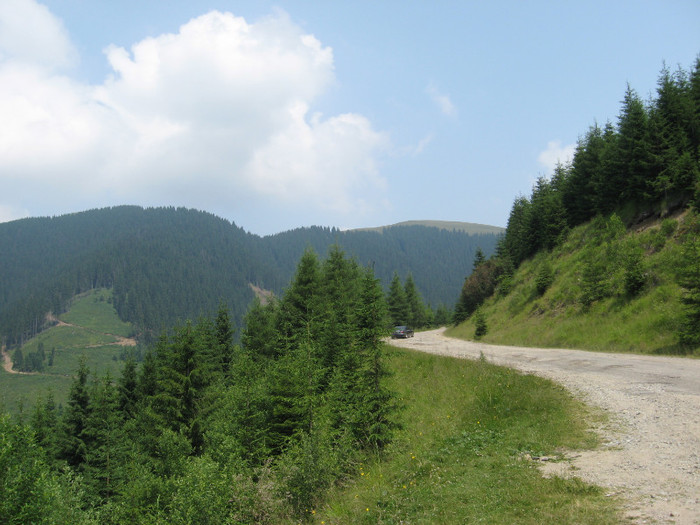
<point>127,389</point>
<point>378,405</point>
<point>417,317</point>
<point>73,441</point>
<point>298,310</point>
<point>107,452</point>
<point>338,298</point>
<point>633,148</point>
<point>259,334</point>
<point>224,339</point>
<point>396,301</point>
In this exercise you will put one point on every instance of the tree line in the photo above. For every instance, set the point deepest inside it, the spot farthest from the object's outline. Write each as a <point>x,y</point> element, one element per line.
<point>645,166</point>
<point>210,431</point>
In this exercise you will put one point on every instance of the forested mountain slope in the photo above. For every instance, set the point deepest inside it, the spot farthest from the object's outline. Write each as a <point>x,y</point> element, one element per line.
<point>167,264</point>
<point>605,254</point>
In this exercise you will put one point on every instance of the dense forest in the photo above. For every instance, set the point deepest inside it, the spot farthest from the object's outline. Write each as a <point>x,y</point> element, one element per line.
<point>167,264</point>
<point>645,167</point>
<point>209,431</point>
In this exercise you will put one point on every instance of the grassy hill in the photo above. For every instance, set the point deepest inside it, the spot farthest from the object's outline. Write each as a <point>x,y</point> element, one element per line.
<point>466,227</point>
<point>585,303</point>
<point>90,330</point>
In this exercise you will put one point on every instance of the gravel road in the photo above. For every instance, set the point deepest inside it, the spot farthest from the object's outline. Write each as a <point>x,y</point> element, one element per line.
<point>651,446</point>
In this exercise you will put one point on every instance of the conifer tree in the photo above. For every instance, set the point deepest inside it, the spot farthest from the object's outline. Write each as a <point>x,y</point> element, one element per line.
<point>339,295</point>
<point>479,258</point>
<point>224,339</point>
<point>259,334</point>
<point>107,451</point>
<point>417,317</point>
<point>44,422</point>
<point>298,309</point>
<point>127,390</point>
<point>73,440</point>
<point>378,405</point>
<point>396,301</point>
<point>633,148</point>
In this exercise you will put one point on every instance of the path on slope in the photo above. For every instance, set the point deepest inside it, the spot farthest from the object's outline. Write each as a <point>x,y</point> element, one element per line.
<point>651,451</point>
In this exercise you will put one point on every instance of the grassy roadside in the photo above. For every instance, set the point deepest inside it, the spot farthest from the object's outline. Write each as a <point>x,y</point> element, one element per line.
<point>461,455</point>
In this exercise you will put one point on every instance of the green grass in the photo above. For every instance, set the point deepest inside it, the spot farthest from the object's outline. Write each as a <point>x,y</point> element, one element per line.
<point>460,457</point>
<point>647,323</point>
<point>94,312</point>
<point>91,336</point>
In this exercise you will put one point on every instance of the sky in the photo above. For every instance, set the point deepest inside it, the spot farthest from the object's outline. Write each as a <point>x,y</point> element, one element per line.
<point>282,114</point>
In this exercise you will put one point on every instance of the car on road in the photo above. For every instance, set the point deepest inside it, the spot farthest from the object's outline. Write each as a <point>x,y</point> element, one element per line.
<point>401,332</point>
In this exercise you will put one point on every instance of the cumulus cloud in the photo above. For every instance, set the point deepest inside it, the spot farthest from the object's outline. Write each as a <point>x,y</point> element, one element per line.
<point>215,114</point>
<point>30,33</point>
<point>556,154</point>
<point>441,100</point>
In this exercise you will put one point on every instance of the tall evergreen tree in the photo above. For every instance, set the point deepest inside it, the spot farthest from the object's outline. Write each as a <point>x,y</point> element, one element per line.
<point>73,440</point>
<point>378,404</point>
<point>417,317</point>
<point>578,196</point>
<point>339,296</point>
<point>298,310</point>
<point>259,334</point>
<point>396,300</point>
<point>515,241</point>
<point>107,452</point>
<point>633,148</point>
<point>224,339</point>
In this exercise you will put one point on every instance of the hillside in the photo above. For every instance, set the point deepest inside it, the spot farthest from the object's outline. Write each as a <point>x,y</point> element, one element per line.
<point>167,264</point>
<point>604,288</point>
<point>89,331</point>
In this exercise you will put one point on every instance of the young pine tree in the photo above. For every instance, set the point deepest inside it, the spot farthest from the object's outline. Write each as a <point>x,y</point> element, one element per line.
<point>73,441</point>
<point>396,302</point>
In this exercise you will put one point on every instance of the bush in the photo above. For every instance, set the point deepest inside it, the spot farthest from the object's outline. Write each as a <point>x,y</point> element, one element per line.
<point>544,279</point>
<point>635,277</point>
<point>480,323</point>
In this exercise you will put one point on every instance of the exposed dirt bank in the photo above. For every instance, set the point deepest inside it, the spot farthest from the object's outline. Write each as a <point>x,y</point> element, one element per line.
<point>651,451</point>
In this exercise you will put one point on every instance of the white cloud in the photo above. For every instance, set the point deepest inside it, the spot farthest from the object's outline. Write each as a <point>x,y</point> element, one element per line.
<point>213,115</point>
<point>30,33</point>
<point>556,154</point>
<point>443,101</point>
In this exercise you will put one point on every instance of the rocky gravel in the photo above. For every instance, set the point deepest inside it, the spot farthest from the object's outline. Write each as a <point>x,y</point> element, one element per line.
<point>650,457</point>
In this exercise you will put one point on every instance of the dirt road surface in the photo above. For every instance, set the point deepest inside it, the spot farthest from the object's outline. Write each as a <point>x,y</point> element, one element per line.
<point>651,446</point>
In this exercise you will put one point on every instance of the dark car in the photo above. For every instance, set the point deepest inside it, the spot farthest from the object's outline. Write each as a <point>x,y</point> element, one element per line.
<point>401,332</point>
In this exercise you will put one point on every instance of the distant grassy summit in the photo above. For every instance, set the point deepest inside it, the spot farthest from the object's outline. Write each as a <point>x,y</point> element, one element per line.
<point>466,227</point>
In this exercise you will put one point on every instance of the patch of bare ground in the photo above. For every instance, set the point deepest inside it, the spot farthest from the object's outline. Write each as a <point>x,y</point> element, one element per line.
<point>265,296</point>
<point>650,456</point>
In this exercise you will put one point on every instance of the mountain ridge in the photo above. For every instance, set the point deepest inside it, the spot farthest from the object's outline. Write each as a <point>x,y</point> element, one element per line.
<point>166,265</point>
<point>467,227</point>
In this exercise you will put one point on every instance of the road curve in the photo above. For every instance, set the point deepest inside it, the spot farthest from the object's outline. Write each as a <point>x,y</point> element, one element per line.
<point>651,452</point>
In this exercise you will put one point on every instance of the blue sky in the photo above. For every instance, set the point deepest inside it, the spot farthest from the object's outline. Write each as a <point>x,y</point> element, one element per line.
<point>277,115</point>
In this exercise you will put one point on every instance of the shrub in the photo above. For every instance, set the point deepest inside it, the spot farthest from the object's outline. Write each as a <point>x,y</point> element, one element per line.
<point>544,279</point>
<point>480,323</point>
